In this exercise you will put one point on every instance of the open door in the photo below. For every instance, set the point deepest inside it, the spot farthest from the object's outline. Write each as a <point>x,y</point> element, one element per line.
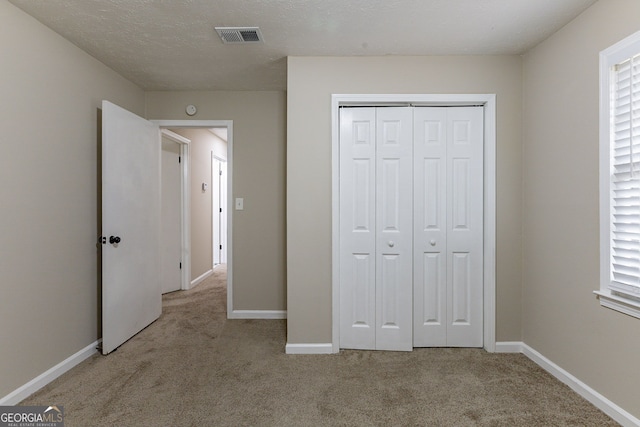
<point>131,293</point>
<point>171,218</point>
<point>219,209</point>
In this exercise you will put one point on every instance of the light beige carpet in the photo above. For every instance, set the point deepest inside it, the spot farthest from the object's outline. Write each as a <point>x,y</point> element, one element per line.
<point>194,368</point>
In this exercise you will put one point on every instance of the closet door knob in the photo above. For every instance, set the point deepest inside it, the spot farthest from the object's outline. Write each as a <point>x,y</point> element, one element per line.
<point>391,243</point>
<point>432,242</point>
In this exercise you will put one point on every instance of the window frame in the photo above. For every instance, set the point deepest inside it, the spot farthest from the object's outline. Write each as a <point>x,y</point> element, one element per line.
<point>610,57</point>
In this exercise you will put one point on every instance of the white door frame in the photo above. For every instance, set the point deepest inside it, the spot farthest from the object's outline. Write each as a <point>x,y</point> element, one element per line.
<point>488,101</point>
<point>185,206</point>
<point>216,217</point>
<point>187,214</point>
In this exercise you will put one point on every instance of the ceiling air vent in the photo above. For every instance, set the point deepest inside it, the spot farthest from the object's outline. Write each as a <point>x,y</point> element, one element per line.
<point>240,34</point>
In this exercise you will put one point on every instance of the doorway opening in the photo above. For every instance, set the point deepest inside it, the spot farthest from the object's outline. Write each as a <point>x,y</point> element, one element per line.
<point>205,192</point>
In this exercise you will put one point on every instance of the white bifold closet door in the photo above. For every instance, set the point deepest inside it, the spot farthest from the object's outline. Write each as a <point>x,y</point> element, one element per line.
<point>448,221</point>
<point>376,228</point>
<point>411,205</point>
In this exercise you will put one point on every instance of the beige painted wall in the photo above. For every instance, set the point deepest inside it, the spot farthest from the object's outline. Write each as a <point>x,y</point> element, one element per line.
<point>51,92</point>
<point>203,143</point>
<point>259,120</point>
<point>311,81</point>
<point>562,319</point>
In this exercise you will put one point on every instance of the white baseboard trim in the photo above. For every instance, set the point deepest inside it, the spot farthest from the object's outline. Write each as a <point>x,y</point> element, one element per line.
<point>599,401</point>
<point>201,278</point>
<point>309,348</point>
<point>257,314</point>
<point>596,399</point>
<point>509,347</point>
<point>45,378</point>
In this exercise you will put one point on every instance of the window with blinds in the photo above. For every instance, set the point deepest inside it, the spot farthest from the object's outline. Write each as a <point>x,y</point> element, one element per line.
<point>620,176</point>
<point>625,177</point>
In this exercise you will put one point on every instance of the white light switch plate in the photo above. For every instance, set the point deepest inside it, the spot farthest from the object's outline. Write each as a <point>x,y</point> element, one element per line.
<point>239,203</point>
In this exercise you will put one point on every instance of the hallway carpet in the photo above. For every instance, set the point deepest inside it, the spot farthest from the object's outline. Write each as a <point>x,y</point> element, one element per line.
<point>192,367</point>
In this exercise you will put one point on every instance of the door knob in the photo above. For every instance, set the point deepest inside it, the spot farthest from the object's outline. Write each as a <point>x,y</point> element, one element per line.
<point>432,242</point>
<point>114,239</point>
<point>391,243</point>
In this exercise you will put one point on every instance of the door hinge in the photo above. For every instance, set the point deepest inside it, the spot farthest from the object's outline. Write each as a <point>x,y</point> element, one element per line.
<point>180,266</point>
<point>220,247</point>
<point>220,172</point>
<point>179,159</point>
<point>220,209</point>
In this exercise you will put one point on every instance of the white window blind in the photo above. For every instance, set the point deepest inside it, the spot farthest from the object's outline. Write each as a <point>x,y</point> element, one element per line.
<point>625,178</point>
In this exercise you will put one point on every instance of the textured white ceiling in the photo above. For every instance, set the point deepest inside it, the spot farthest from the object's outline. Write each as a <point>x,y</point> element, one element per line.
<point>172,45</point>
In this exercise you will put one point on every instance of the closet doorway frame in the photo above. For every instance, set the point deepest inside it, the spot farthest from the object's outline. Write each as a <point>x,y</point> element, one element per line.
<point>488,102</point>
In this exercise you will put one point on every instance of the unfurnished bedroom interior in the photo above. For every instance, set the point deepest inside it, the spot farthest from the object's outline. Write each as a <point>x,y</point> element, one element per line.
<point>284,213</point>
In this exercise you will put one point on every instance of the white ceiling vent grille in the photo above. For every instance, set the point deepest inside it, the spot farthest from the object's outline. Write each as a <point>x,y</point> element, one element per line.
<point>240,34</point>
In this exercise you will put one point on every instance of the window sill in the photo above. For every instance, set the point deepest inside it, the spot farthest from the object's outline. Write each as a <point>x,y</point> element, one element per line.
<point>619,303</point>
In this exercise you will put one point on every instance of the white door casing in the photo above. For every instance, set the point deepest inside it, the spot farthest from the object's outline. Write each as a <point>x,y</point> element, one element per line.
<point>376,228</point>
<point>131,294</point>
<point>448,220</point>
<point>171,217</point>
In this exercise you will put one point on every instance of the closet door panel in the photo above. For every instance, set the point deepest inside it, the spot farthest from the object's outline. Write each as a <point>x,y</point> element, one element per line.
<point>411,227</point>
<point>430,227</point>
<point>465,227</point>
<point>357,228</point>
<point>394,236</point>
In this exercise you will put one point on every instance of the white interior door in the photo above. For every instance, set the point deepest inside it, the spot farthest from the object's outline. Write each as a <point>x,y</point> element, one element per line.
<point>394,228</point>
<point>430,228</point>
<point>411,227</point>
<point>448,221</point>
<point>171,218</point>
<point>358,228</point>
<point>376,228</point>
<point>464,227</point>
<point>223,212</point>
<point>131,293</point>
<point>219,209</point>
<point>216,209</point>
